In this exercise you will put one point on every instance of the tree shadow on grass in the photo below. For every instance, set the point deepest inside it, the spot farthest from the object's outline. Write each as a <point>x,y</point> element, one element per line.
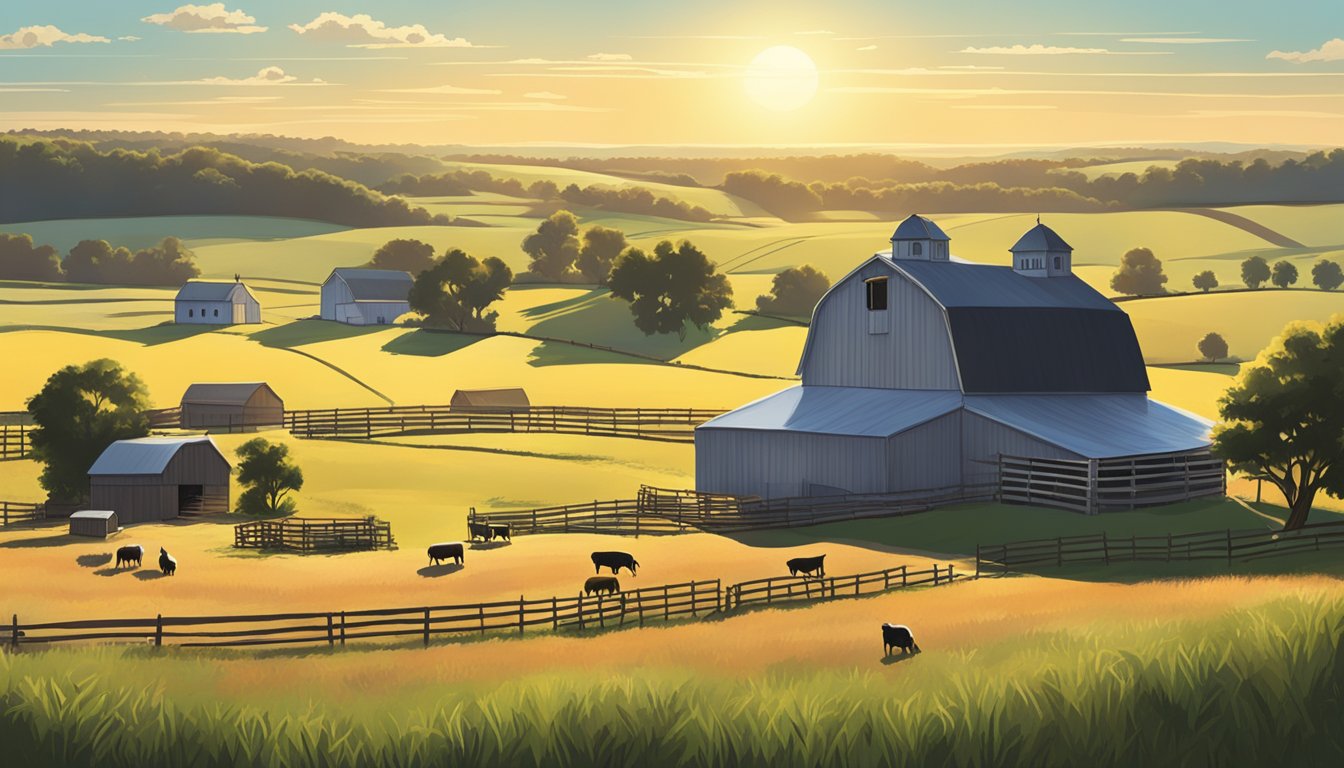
<point>557,306</point>
<point>435,571</point>
<point>45,541</point>
<point>424,343</point>
<point>301,332</point>
<point>93,561</point>
<point>559,353</point>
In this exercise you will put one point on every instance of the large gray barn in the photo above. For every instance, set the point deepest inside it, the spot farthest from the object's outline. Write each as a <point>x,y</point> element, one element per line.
<point>158,478</point>
<point>366,296</point>
<point>925,373</point>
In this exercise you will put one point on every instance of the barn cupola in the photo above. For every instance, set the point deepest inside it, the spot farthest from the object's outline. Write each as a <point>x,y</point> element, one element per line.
<point>919,239</point>
<point>1042,253</point>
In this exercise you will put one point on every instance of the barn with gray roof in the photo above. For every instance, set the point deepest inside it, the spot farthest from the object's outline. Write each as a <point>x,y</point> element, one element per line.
<point>160,478</point>
<point>366,296</point>
<point>231,406</point>
<point>926,374</point>
<point>200,302</point>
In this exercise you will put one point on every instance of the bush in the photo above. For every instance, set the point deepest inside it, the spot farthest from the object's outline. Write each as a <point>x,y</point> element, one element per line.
<point>1284,274</point>
<point>1140,274</point>
<point>21,260</point>
<point>794,292</point>
<point>1254,272</point>
<point>1213,347</point>
<point>1205,281</point>
<point>1327,275</point>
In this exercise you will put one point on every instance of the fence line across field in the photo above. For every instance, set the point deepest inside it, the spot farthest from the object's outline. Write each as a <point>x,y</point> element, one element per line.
<point>15,512</point>
<point>631,608</point>
<point>669,424</point>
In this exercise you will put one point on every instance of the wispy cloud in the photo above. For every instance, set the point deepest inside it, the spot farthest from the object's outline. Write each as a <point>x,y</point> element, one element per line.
<point>265,76</point>
<point>214,18</point>
<point>1185,40</point>
<point>44,37</point>
<point>215,102</point>
<point>871,47</point>
<point>545,95</point>
<point>1331,50</point>
<point>364,31</point>
<point>129,38</point>
<point>1036,49</point>
<point>610,57</point>
<point>449,90</point>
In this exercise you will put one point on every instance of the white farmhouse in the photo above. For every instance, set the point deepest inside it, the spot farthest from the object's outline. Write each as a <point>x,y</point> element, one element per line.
<point>216,303</point>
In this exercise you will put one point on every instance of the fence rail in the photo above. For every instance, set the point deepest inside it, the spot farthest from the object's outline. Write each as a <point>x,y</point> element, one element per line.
<point>792,589</point>
<point>15,512</point>
<point>1105,549</point>
<point>670,424</point>
<point>310,534</point>
<point>1106,485</point>
<point>14,441</point>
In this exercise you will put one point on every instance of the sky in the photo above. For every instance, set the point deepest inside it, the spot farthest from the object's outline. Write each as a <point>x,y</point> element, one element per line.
<point>955,73</point>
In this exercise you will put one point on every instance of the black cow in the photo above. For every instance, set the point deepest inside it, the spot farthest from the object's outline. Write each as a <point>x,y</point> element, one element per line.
<point>483,531</point>
<point>807,566</point>
<point>167,564</point>
<point>132,554</point>
<point>898,636</point>
<point>446,550</point>
<point>504,532</point>
<point>615,561</point>
<point>607,584</point>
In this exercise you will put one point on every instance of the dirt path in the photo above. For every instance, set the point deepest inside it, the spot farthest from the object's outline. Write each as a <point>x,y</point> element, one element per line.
<point>1246,225</point>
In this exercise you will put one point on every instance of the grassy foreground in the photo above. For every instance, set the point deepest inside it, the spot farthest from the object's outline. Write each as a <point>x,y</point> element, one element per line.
<point>1251,686</point>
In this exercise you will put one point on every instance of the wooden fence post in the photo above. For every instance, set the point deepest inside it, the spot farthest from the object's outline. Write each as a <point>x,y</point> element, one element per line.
<point>1229,547</point>
<point>480,608</point>
<point>555,615</point>
<point>667,616</point>
<point>1105,549</point>
<point>158,631</point>
<point>903,579</point>
<point>951,576</point>
<point>977,560</point>
<point>14,634</point>
<point>426,627</point>
<point>342,629</point>
<point>935,574</point>
<point>331,631</point>
<point>520,614</point>
<point>580,610</point>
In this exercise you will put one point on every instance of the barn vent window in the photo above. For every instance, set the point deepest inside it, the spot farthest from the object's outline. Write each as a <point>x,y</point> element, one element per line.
<point>1056,262</point>
<point>191,313</point>
<point>216,313</point>
<point>877,293</point>
<point>917,249</point>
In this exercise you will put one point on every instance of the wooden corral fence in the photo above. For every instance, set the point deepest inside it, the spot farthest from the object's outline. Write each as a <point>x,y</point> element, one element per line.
<point>1107,485</point>
<point>669,511</point>
<point>669,424</point>
<point>784,589</point>
<point>15,512</point>
<point>1105,549</point>
<point>14,442</point>
<point>309,534</point>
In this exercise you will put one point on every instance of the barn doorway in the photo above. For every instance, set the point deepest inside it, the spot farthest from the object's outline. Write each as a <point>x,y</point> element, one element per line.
<point>189,498</point>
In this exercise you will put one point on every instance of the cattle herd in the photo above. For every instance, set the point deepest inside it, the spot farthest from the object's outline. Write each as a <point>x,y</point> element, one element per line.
<point>134,554</point>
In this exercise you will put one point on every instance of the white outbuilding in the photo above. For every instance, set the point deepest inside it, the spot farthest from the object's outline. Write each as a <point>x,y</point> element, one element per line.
<point>203,302</point>
<point>366,296</point>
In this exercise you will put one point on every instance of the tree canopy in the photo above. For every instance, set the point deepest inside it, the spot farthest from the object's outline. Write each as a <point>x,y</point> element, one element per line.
<point>1254,272</point>
<point>1140,274</point>
<point>794,292</point>
<point>1327,275</point>
<point>96,261</point>
<point>270,475</point>
<point>554,247</point>
<point>1283,417</point>
<point>1284,274</point>
<point>455,292</point>
<point>676,286</point>
<point>21,260</point>
<point>1213,347</point>
<point>1205,281</point>
<point>601,246</point>
<point>81,410</point>
<point>411,256</point>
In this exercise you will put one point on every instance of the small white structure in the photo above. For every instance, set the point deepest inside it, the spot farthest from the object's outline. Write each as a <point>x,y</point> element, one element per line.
<point>366,296</point>
<point>216,303</point>
<point>98,523</point>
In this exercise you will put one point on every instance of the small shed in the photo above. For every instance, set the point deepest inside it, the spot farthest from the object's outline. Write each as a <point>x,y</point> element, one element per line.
<point>200,302</point>
<point>231,406</point>
<point>97,523</point>
<point>159,478</point>
<point>502,399</point>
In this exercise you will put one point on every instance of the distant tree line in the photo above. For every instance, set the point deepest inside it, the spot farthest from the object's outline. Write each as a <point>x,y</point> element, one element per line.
<point>1140,274</point>
<point>63,179</point>
<point>97,261</point>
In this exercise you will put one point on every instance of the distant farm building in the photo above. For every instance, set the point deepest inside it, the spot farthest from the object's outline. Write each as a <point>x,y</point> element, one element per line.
<point>159,478</point>
<point>231,406</point>
<point>215,303</point>
<point>925,374</point>
<point>366,296</point>
<point>96,523</point>
<point>504,399</point>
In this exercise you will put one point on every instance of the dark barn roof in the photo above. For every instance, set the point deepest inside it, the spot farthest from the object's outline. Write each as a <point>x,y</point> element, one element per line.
<point>916,227</point>
<point>961,284</point>
<point>144,455</point>
<point>198,290</point>
<point>231,393</point>
<point>376,284</point>
<point>1041,238</point>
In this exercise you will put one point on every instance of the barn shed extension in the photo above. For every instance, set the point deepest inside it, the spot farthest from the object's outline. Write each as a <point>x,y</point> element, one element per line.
<point>366,296</point>
<point>232,406</point>
<point>502,399</point>
<point>215,303</point>
<point>95,523</point>
<point>923,373</point>
<point>160,478</point>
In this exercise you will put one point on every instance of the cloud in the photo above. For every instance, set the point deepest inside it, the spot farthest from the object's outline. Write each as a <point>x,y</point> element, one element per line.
<point>213,18</point>
<point>363,31</point>
<point>1049,50</point>
<point>129,38</point>
<point>867,48</point>
<point>45,36</point>
<point>546,95</point>
<point>611,57</point>
<point>264,76</point>
<point>1331,50</point>
<point>446,89</point>
<point>1185,40</point>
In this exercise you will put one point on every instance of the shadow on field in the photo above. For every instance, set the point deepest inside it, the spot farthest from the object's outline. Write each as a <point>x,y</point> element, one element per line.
<point>424,343</point>
<point>435,571</point>
<point>163,333</point>
<point>93,561</point>
<point>114,571</point>
<point>897,658</point>
<point>559,353</point>
<point>563,304</point>
<point>302,332</point>
<point>45,541</point>
<point>149,575</point>
<point>484,545</point>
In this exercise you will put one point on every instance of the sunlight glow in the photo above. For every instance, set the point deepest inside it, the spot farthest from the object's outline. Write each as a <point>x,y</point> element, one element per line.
<point>781,78</point>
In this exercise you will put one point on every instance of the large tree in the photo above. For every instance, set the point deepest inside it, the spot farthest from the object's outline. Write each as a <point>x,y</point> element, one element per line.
<point>81,410</point>
<point>1139,274</point>
<point>1284,416</point>
<point>676,286</point>
<point>406,255</point>
<point>21,260</point>
<point>795,291</point>
<point>1327,275</point>
<point>1205,281</point>
<point>554,247</point>
<point>1254,272</point>
<point>1284,274</point>
<point>269,474</point>
<point>1213,347</point>
<point>601,246</point>
<point>455,292</point>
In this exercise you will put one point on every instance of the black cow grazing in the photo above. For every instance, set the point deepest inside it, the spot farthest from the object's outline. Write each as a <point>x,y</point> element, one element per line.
<point>504,532</point>
<point>446,550</point>
<point>166,563</point>
<point>482,531</point>
<point>599,584</point>
<point>133,554</point>
<point>615,561</point>
<point>898,636</point>
<point>808,566</point>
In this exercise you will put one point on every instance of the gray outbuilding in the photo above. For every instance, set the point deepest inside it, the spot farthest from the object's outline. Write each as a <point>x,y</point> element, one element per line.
<point>923,374</point>
<point>366,296</point>
<point>201,302</point>
<point>95,523</point>
<point>232,406</point>
<point>160,478</point>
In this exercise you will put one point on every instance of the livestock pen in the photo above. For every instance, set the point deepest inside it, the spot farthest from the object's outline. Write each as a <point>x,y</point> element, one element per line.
<point>310,534</point>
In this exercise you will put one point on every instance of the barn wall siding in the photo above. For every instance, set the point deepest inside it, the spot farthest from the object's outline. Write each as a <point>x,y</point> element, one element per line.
<point>984,440</point>
<point>926,457</point>
<point>915,353</point>
<point>775,464</point>
<point>134,502</point>
<point>334,292</point>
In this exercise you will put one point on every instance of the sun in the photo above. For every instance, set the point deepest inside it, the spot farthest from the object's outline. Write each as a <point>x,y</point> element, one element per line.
<point>781,78</point>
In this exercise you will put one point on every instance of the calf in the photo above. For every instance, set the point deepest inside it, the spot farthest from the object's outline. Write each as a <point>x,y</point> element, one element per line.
<point>483,531</point>
<point>615,561</point>
<point>808,566</point>
<point>504,532</point>
<point>166,563</point>
<point>445,551</point>
<point>898,636</point>
<point>132,554</point>
<point>599,584</point>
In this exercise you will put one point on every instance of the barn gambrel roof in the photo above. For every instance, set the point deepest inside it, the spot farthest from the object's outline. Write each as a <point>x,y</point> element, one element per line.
<point>144,455</point>
<point>375,284</point>
<point>230,393</point>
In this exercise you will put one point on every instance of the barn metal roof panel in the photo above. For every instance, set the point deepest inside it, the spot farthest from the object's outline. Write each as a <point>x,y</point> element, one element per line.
<point>916,227</point>
<point>963,284</point>
<point>1098,426</point>
<point>143,455</point>
<point>232,393</point>
<point>376,284</point>
<point>198,290</point>
<point>92,514</point>
<point>1041,238</point>
<point>856,411</point>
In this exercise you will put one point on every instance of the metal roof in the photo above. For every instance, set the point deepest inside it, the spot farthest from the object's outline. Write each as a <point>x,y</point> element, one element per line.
<point>1098,426</point>
<point>503,396</point>
<point>962,284</point>
<point>143,455</point>
<point>1041,238</point>
<point>855,411</point>
<point>916,227</point>
<point>376,284</point>
<point>198,290</point>
<point>93,514</point>
<point>234,393</point>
